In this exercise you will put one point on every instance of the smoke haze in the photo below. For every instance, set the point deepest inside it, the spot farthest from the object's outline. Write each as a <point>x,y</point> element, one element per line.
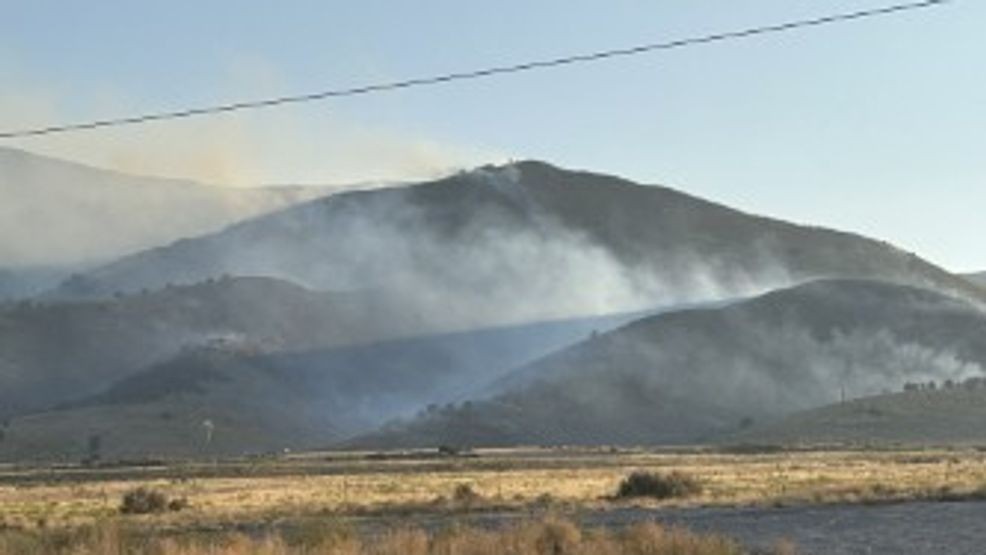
<point>243,149</point>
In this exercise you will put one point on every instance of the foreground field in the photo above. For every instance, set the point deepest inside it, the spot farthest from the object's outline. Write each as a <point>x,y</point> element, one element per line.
<point>266,498</point>
<point>536,537</point>
<point>367,484</point>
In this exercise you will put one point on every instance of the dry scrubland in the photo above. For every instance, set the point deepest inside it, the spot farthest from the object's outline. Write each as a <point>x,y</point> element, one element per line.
<point>264,498</point>
<point>550,536</point>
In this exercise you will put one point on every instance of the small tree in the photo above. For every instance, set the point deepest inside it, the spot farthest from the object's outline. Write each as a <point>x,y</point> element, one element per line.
<point>465,494</point>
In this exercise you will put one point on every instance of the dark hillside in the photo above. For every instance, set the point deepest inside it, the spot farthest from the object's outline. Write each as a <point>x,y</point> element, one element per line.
<point>697,375</point>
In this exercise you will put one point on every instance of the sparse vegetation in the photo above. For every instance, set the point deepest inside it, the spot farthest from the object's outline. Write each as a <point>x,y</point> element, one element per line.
<point>658,485</point>
<point>970,384</point>
<point>549,536</point>
<point>254,492</point>
<point>142,501</point>
<point>465,494</point>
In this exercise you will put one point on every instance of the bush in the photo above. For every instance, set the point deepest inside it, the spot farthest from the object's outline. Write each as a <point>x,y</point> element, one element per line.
<point>177,504</point>
<point>659,486</point>
<point>142,501</point>
<point>557,537</point>
<point>465,494</point>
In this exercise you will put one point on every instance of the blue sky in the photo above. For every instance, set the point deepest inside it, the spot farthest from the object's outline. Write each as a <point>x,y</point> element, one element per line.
<point>874,127</point>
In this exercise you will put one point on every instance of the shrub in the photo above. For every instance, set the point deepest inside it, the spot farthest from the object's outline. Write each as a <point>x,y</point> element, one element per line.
<point>464,493</point>
<point>659,486</point>
<point>557,537</point>
<point>142,501</point>
<point>177,504</point>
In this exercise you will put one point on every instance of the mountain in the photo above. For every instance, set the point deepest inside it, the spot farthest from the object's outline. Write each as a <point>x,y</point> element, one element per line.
<point>948,415</point>
<point>55,352</point>
<point>58,213</point>
<point>332,323</point>
<point>521,242</point>
<point>265,401</point>
<point>700,375</point>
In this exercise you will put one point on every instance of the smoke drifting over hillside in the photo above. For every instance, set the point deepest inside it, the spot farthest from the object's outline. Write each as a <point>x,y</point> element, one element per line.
<point>515,244</point>
<point>479,248</point>
<point>771,371</point>
<point>50,217</point>
<point>697,375</point>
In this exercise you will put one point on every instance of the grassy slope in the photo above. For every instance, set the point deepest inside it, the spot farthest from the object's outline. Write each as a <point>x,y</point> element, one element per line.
<point>942,417</point>
<point>246,411</point>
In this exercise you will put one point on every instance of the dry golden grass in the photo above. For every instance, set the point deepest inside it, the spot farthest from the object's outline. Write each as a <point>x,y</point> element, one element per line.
<point>503,480</point>
<point>550,536</point>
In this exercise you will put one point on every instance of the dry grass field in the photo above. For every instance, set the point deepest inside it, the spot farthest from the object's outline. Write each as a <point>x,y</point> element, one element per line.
<point>548,536</point>
<point>360,486</point>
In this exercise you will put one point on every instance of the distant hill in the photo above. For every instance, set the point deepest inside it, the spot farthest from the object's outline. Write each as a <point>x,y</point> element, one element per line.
<point>54,352</point>
<point>700,375</point>
<point>264,401</point>
<point>521,242</point>
<point>943,417</point>
<point>58,213</point>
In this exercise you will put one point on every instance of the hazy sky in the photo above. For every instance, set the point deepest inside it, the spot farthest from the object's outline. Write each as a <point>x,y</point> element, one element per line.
<point>875,127</point>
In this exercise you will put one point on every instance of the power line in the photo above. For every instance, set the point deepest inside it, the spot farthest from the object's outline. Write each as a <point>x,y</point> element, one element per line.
<point>475,74</point>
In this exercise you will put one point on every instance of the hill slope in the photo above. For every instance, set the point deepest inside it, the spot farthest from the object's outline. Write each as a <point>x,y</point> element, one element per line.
<point>264,401</point>
<point>53,352</point>
<point>943,416</point>
<point>521,242</point>
<point>55,213</point>
<point>697,375</point>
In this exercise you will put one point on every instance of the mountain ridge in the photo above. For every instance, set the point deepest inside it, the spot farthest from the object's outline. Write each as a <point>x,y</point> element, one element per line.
<point>645,241</point>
